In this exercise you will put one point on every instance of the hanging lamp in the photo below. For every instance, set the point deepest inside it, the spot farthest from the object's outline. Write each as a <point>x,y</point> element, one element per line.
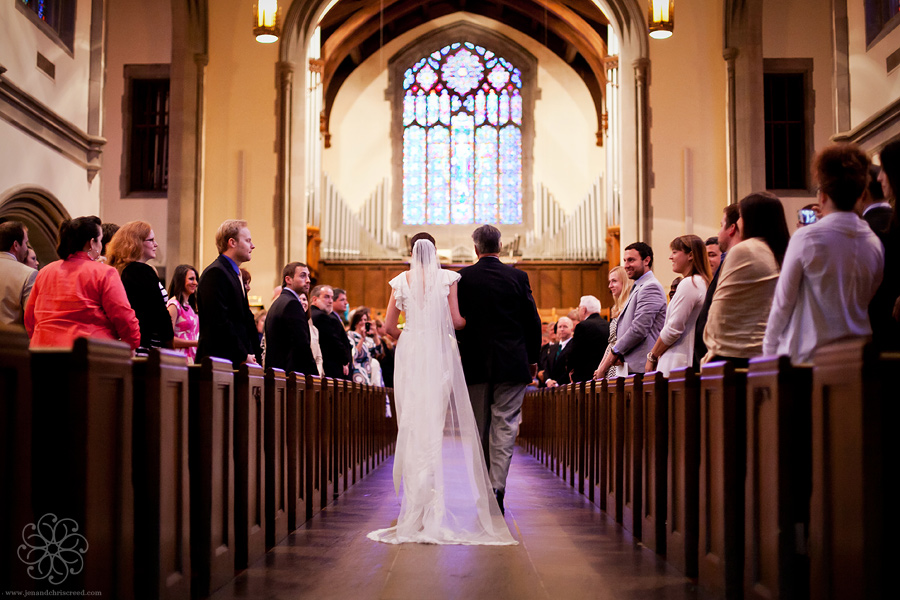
<point>661,18</point>
<point>266,21</point>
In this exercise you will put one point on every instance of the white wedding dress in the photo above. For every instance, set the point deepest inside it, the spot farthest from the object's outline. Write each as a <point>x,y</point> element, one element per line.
<point>439,468</point>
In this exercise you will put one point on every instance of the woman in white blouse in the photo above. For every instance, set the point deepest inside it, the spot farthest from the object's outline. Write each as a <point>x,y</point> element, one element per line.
<point>675,347</point>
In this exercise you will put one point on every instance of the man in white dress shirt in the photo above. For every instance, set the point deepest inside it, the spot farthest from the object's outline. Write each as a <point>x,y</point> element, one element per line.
<point>643,316</point>
<point>831,269</point>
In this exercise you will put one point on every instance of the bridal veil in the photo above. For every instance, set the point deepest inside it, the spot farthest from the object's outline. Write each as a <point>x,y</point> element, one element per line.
<point>439,468</point>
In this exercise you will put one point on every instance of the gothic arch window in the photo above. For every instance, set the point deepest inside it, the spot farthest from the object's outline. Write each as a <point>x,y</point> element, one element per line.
<point>463,130</point>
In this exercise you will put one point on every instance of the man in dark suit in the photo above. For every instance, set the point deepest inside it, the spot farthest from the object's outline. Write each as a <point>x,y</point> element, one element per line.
<point>332,338</point>
<point>499,348</point>
<point>560,354</point>
<point>872,206</point>
<point>287,324</point>
<point>589,340</point>
<point>226,323</point>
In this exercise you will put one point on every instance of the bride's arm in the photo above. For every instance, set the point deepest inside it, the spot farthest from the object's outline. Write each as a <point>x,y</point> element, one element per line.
<point>458,320</point>
<point>392,318</point>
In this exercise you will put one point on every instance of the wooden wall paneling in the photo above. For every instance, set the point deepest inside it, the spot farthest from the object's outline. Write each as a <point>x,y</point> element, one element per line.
<point>633,446</point>
<point>723,447</point>
<point>570,286</point>
<point>683,471</point>
<point>15,454</point>
<point>83,409</point>
<point>376,289</point>
<point>211,459</point>
<point>853,528</point>
<point>161,477</point>
<point>779,479</point>
<point>276,451</point>
<point>654,455</point>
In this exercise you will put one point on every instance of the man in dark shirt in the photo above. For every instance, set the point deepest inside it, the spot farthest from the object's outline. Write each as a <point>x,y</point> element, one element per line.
<point>287,325</point>
<point>332,338</point>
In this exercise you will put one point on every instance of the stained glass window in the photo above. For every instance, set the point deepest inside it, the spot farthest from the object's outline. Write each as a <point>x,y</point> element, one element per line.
<point>462,138</point>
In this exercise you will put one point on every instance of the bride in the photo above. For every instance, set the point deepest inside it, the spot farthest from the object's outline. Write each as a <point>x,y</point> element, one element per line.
<point>446,492</point>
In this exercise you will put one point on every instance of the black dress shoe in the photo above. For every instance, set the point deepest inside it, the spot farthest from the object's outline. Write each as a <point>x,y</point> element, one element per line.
<point>499,495</point>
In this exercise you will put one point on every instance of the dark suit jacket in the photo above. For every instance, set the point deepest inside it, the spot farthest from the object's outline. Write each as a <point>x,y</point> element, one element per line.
<point>879,219</point>
<point>502,336</point>
<point>333,342</point>
<point>226,323</point>
<point>142,287</point>
<point>588,343</point>
<point>699,344</point>
<point>287,336</point>
<point>560,363</point>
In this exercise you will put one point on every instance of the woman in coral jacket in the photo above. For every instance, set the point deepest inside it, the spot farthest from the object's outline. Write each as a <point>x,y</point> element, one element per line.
<point>78,297</point>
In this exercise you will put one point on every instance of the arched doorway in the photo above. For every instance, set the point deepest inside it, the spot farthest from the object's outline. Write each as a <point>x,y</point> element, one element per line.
<point>41,213</point>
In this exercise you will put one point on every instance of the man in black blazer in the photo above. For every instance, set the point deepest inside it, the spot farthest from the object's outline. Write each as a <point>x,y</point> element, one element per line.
<point>226,323</point>
<point>872,206</point>
<point>332,338</point>
<point>287,325</point>
<point>499,348</point>
<point>589,340</point>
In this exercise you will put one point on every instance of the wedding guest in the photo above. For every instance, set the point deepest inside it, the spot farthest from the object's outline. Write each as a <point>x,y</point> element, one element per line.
<point>245,280</point>
<point>620,288</point>
<point>182,307</point>
<point>388,345</point>
<point>16,277</point>
<point>589,339</point>
<point>832,269</point>
<point>366,344</point>
<point>674,349</point>
<point>77,297</point>
<point>332,337</point>
<point>674,287</point>
<point>32,260</point>
<point>313,337</point>
<point>872,206</point>
<point>884,310</point>
<point>131,247</point>
<point>714,252</point>
<point>226,323</point>
<point>740,307</point>
<point>109,230</point>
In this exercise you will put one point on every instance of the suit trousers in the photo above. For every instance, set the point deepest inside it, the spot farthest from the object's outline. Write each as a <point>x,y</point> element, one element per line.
<point>497,408</point>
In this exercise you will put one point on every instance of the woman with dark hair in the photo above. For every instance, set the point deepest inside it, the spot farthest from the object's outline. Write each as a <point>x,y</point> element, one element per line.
<point>884,310</point>
<point>674,349</point>
<point>78,297</point>
<point>129,250</point>
<point>182,307</point>
<point>740,307</point>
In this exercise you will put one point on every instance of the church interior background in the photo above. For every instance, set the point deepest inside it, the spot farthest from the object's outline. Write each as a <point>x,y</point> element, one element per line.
<point>365,121</point>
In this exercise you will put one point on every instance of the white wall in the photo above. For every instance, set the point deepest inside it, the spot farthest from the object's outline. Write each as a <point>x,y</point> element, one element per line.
<point>137,33</point>
<point>871,87</point>
<point>25,161</point>
<point>566,158</point>
<point>687,128</point>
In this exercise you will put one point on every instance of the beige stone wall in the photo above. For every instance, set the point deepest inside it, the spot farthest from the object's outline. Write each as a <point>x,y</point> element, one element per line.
<point>871,86</point>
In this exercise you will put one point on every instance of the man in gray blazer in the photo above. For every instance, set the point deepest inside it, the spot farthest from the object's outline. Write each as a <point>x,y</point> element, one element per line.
<point>16,279</point>
<point>643,317</point>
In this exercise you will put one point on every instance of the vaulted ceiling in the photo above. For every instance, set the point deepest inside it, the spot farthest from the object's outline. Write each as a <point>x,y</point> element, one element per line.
<point>574,30</point>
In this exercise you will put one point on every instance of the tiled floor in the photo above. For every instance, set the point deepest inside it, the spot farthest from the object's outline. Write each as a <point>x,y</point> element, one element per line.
<point>568,549</point>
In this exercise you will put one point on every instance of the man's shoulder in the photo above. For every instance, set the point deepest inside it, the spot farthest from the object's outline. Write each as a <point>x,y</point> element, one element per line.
<point>15,269</point>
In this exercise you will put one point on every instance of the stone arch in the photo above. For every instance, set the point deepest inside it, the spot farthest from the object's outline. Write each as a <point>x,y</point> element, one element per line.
<point>41,212</point>
<point>628,19</point>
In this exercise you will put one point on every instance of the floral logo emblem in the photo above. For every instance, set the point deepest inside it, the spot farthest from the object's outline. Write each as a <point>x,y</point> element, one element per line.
<point>53,549</point>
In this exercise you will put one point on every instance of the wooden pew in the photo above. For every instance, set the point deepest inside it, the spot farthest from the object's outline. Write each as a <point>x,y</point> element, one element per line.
<point>15,454</point>
<point>853,532</point>
<point>571,432</point>
<point>723,448</point>
<point>654,453</point>
<point>683,471</point>
<point>249,466</point>
<point>82,407</point>
<point>601,420</point>
<point>590,438</point>
<point>615,447</point>
<point>276,455</point>
<point>778,481</point>
<point>161,476</point>
<point>632,451</point>
<point>299,459</point>
<point>581,435</point>
<point>211,458</point>
<point>322,397</point>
